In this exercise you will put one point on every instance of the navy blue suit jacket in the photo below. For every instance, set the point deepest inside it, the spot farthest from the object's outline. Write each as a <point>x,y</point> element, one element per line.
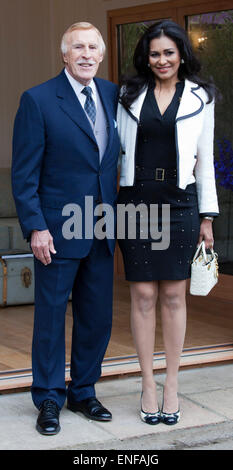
<point>56,160</point>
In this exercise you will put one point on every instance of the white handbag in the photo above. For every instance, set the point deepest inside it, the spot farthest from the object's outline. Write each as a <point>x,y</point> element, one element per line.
<point>204,271</point>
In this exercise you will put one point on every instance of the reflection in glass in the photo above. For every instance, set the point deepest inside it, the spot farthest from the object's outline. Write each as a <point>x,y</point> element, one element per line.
<point>128,36</point>
<point>211,36</point>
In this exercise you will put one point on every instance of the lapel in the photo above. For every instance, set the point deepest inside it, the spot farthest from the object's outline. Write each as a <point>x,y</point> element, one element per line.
<point>191,103</point>
<point>106,101</point>
<point>70,104</point>
<point>136,106</point>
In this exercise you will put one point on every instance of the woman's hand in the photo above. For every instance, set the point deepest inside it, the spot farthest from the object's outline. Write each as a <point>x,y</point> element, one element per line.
<point>206,233</point>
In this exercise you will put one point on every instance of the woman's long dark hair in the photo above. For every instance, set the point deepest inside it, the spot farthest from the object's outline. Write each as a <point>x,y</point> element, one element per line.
<point>189,69</point>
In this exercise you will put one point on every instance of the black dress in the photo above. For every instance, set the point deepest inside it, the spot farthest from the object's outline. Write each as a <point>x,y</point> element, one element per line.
<point>156,149</point>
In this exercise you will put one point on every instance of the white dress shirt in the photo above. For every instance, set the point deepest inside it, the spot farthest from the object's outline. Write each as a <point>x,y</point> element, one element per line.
<point>78,87</point>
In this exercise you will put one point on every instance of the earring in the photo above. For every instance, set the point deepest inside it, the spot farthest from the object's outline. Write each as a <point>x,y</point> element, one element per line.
<point>148,65</point>
<point>182,61</point>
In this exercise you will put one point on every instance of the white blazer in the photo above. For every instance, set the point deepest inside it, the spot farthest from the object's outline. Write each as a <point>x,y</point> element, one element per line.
<point>194,135</point>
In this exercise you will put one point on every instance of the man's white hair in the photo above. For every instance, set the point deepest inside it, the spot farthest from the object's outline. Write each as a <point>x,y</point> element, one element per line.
<point>79,26</point>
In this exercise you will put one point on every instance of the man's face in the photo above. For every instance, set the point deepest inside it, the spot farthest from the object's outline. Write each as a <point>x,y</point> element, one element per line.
<point>83,54</point>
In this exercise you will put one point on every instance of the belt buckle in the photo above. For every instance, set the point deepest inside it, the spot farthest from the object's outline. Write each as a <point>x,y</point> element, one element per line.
<point>161,177</point>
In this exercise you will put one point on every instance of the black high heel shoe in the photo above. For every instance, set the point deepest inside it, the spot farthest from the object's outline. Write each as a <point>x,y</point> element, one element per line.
<point>150,418</point>
<point>170,418</point>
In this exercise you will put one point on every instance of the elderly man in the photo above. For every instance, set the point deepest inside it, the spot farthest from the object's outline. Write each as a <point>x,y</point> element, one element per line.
<point>65,147</point>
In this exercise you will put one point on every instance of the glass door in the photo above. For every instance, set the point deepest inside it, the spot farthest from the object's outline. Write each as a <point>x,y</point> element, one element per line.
<point>211,35</point>
<point>210,321</point>
<point>127,37</point>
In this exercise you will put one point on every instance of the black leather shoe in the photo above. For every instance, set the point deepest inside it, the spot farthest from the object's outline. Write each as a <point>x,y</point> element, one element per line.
<point>91,408</point>
<point>48,419</point>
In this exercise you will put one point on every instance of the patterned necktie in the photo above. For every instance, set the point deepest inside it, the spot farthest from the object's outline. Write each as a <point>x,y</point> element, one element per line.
<point>89,103</point>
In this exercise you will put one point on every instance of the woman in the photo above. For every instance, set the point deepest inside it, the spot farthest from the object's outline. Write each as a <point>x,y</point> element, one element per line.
<point>166,125</point>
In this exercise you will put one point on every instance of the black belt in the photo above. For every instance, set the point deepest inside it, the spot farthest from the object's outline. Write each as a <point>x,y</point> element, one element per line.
<point>156,174</point>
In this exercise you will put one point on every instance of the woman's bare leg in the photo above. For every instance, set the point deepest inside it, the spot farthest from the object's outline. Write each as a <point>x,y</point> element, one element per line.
<point>143,322</point>
<point>173,312</point>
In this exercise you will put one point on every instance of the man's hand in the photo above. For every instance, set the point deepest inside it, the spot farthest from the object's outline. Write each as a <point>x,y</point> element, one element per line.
<point>42,245</point>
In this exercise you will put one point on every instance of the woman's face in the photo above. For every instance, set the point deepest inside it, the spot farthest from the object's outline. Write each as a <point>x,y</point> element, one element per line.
<point>164,58</point>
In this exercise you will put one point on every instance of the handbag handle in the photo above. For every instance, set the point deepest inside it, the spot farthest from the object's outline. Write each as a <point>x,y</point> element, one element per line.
<point>200,248</point>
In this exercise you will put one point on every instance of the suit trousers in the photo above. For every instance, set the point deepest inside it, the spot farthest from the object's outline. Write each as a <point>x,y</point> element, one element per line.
<point>91,281</point>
